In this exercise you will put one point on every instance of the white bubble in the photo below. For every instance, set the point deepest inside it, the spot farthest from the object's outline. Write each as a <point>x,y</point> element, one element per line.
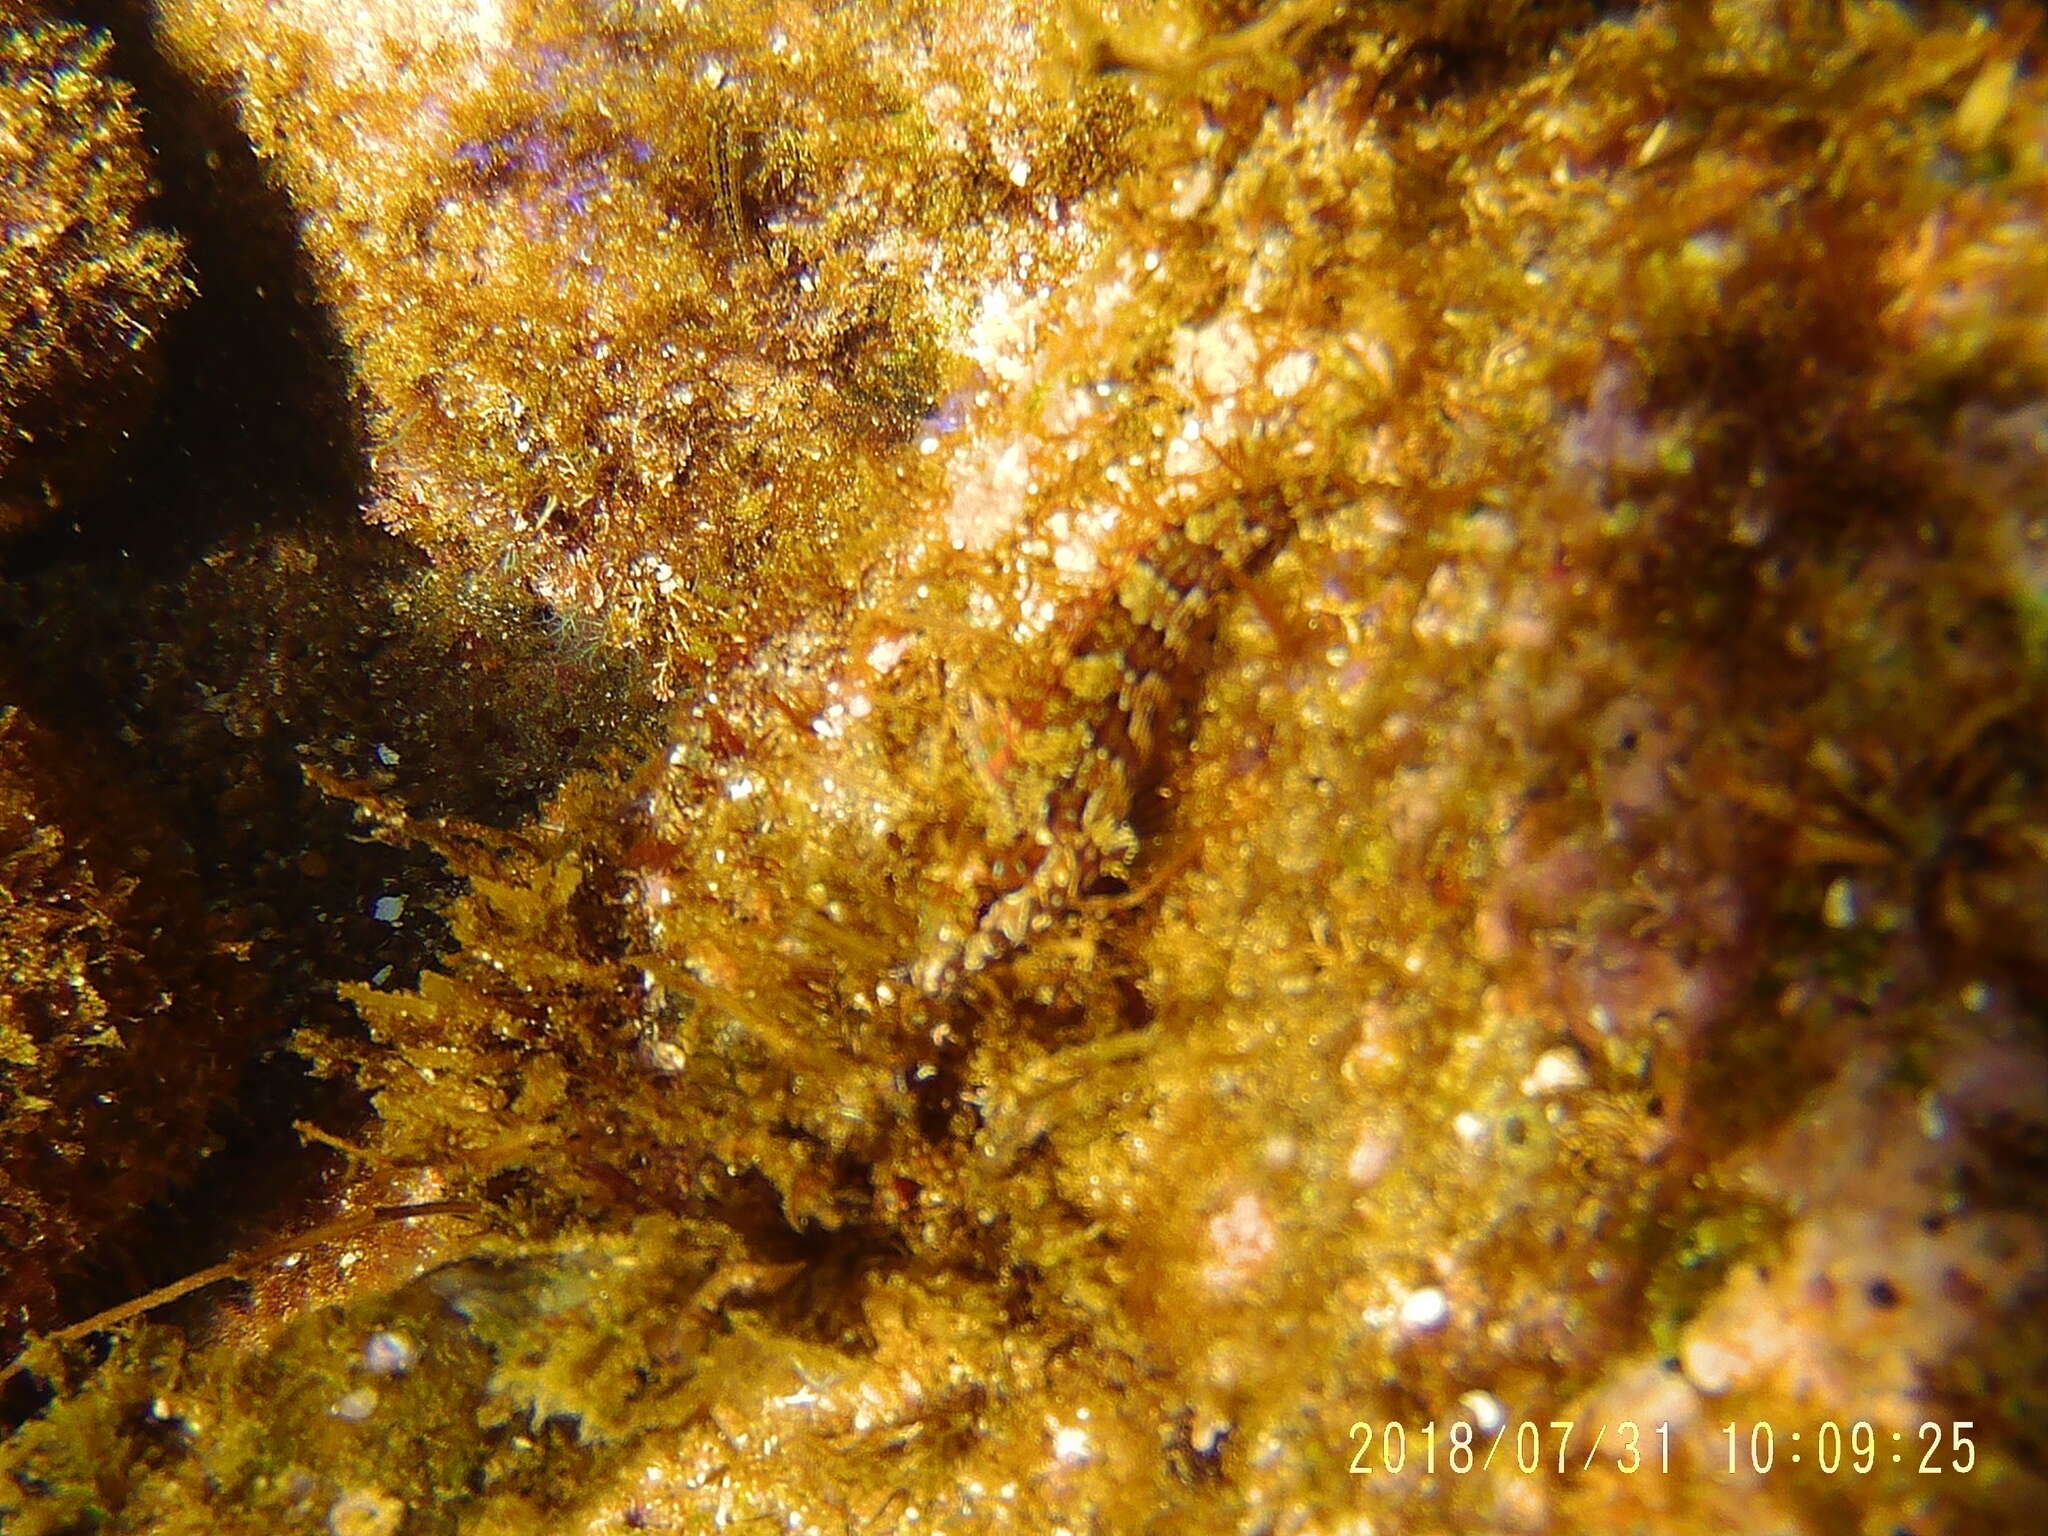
<point>388,1354</point>
<point>1425,1311</point>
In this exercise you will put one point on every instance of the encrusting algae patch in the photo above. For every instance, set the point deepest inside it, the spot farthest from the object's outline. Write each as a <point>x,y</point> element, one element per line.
<point>1349,832</point>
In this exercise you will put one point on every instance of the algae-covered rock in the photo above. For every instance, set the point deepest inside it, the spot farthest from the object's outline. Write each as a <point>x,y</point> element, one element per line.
<point>86,283</point>
<point>647,302</point>
<point>1393,887</point>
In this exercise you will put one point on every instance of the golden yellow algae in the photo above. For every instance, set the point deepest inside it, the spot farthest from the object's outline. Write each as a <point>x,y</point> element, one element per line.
<point>1395,881</point>
<point>85,283</point>
<point>174,708</point>
<point>647,309</point>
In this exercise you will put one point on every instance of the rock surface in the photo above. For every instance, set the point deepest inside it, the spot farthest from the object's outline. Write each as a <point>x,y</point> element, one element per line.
<point>1350,833</point>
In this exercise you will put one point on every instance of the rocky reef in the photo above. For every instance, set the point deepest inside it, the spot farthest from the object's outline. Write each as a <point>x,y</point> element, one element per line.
<point>1108,769</point>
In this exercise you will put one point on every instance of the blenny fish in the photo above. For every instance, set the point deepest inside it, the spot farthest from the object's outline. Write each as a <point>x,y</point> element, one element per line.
<point>1137,653</point>
<point>892,798</point>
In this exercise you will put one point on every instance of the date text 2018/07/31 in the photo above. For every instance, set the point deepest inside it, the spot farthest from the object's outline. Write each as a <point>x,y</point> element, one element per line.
<point>1530,1447</point>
